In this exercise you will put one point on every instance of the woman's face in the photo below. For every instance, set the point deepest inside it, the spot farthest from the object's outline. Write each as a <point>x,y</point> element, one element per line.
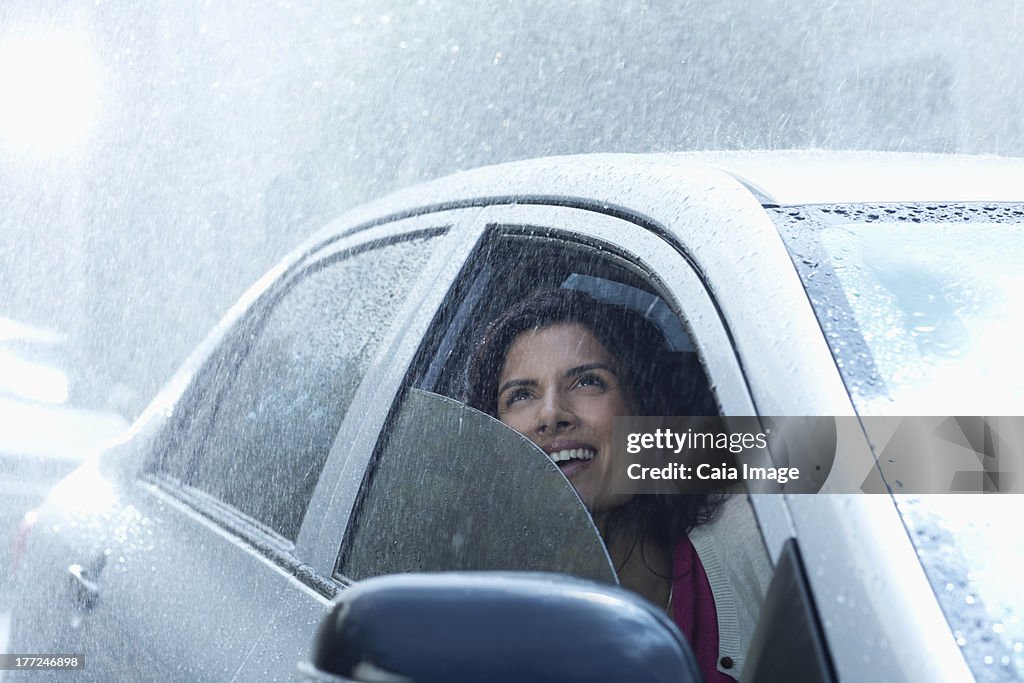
<point>561,388</point>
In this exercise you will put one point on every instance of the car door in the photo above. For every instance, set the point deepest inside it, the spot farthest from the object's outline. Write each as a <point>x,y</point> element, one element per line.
<point>368,529</point>
<point>207,540</point>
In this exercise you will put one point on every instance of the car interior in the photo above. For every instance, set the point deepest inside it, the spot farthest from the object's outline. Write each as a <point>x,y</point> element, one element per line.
<point>499,277</point>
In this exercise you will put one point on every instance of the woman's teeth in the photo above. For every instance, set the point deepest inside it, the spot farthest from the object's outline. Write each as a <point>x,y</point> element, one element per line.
<point>573,454</point>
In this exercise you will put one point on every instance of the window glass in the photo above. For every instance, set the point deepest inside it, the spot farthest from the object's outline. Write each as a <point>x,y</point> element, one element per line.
<point>454,489</point>
<point>277,420</point>
<point>920,304</point>
<point>965,544</point>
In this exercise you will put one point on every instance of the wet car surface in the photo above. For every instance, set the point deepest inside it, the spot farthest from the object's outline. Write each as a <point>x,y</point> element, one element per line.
<point>315,438</point>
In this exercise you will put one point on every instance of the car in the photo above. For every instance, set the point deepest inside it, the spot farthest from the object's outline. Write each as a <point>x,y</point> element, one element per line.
<point>316,439</point>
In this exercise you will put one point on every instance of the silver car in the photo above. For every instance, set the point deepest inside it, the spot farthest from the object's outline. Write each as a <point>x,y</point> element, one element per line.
<point>315,439</point>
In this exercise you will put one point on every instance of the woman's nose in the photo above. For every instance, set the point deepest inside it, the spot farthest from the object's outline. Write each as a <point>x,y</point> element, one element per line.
<point>554,414</point>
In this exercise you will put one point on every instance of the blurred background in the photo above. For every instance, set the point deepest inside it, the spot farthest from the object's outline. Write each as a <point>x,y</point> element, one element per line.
<point>157,158</point>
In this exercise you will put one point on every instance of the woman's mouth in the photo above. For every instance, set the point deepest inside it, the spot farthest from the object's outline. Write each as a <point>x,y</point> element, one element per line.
<point>573,460</point>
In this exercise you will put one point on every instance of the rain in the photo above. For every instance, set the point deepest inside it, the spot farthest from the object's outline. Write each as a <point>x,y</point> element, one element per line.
<point>198,146</point>
<point>157,159</point>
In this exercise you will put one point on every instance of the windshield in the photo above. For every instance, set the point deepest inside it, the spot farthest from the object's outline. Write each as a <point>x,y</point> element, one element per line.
<point>971,548</point>
<point>940,308</point>
<point>922,307</point>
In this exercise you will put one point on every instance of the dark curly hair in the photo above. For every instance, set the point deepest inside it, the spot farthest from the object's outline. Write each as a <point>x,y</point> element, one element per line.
<point>639,346</point>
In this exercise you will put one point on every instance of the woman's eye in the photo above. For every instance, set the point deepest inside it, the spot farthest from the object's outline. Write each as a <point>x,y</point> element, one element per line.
<point>591,380</point>
<point>516,395</point>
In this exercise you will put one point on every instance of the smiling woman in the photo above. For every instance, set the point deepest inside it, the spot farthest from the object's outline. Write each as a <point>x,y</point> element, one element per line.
<point>561,387</point>
<point>559,367</point>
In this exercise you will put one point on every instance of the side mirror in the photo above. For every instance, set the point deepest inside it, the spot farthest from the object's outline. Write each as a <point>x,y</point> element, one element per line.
<point>497,627</point>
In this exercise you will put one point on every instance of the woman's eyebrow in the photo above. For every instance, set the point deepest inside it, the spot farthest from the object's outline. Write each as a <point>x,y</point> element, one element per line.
<point>579,369</point>
<point>516,383</point>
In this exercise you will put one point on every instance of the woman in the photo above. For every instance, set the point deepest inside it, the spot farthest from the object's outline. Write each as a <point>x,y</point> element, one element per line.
<point>559,367</point>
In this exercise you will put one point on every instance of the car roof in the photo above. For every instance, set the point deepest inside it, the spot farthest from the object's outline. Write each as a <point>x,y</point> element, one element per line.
<point>781,177</point>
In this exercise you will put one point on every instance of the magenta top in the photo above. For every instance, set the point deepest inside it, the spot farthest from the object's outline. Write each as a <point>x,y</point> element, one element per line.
<point>693,610</point>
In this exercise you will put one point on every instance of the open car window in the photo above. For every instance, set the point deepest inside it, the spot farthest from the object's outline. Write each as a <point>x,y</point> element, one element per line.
<point>516,262</point>
<point>461,489</point>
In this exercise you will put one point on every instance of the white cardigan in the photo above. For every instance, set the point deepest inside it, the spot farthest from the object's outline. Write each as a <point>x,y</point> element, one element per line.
<point>736,561</point>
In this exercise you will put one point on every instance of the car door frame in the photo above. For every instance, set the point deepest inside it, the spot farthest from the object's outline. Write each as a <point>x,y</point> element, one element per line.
<point>572,223</point>
<point>378,394</point>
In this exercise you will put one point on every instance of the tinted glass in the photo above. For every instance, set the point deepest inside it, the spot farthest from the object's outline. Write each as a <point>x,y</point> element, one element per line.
<point>275,424</point>
<point>455,489</point>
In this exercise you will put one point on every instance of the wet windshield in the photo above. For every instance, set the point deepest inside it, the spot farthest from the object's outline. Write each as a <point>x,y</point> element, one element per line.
<point>940,308</point>
<point>970,547</point>
<point>924,318</point>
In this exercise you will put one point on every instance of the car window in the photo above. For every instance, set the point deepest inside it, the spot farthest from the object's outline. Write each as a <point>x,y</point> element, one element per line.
<point>440,485</point>
<point>501,275</point>
<point>275,423</point>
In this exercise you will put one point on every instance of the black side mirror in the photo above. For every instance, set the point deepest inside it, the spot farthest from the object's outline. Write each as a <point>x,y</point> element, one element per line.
<point>497,627</point>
